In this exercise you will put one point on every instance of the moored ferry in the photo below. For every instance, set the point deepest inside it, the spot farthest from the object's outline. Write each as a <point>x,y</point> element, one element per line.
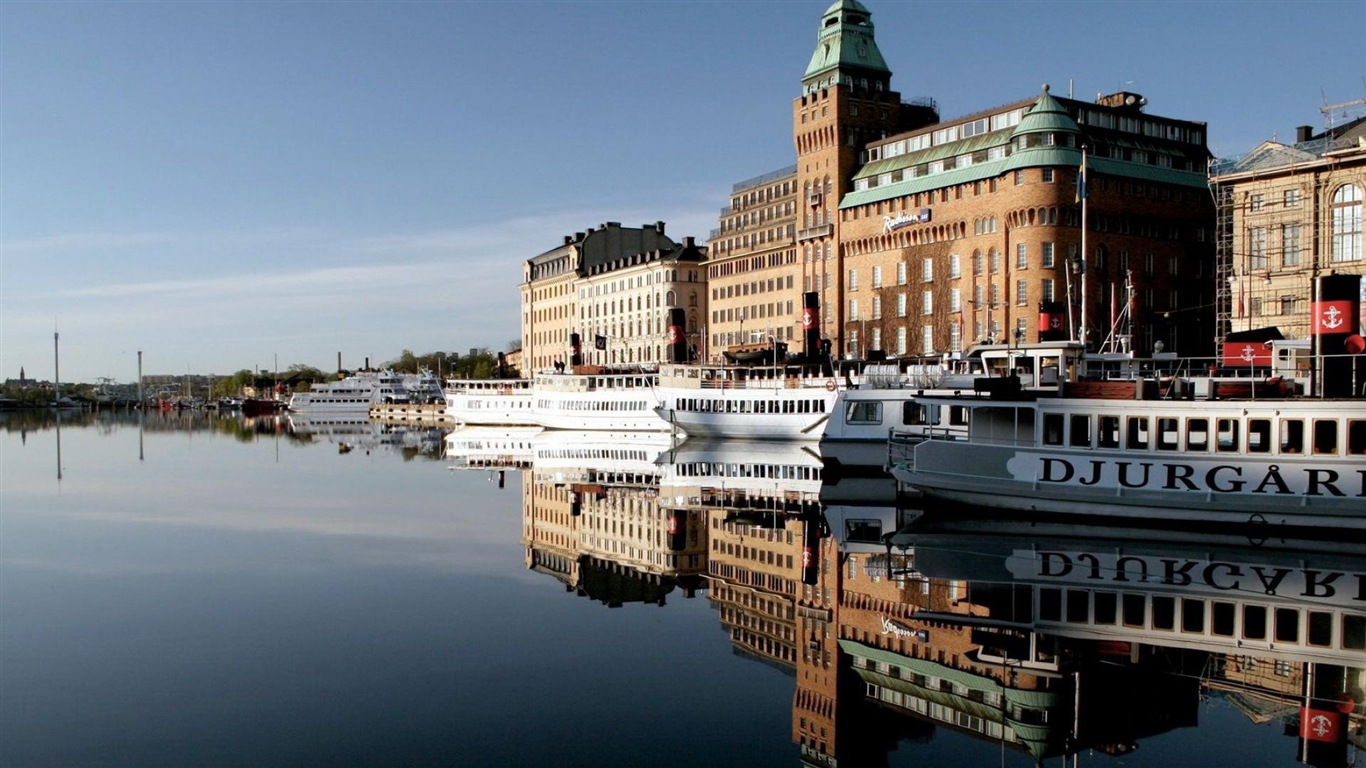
<point>775,402</point>
<point>501,402</point>
<point>595,397</point>
<point>357,392</point>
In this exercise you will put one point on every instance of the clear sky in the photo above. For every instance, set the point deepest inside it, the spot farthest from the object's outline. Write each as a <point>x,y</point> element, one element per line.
<point>225,184</point>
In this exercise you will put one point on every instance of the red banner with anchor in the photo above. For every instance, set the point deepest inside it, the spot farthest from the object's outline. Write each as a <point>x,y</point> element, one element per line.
<point>1331,317</point>
<point>1320,724</point>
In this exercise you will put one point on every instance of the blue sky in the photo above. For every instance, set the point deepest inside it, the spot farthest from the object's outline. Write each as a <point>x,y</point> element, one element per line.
<point>224,184</point>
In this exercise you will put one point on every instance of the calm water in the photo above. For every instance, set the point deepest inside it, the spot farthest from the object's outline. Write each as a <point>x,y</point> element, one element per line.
<point>212,593</point>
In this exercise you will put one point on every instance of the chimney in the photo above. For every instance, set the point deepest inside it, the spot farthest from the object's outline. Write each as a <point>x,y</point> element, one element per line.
<point>1303,133</point>
<point>689,242</point>
<point>659,227</point>
<point>578,237</point>
<point>568,239</point>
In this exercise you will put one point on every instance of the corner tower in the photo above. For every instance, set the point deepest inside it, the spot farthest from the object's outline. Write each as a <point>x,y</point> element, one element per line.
<point>847,101</point>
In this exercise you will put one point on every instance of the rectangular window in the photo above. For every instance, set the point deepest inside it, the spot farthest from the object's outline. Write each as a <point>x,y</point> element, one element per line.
<point>877,277</point>
<point>1021,256</point>
<point>1197,434</point>
<point>1325,436</point>
<point>1291,198</point>
<point>1108,435</point>
<point>927,270</point>
<point>1290,245</point>
<point>1256,248</point>
<point>901,273</point>
<point>955,300</point>
<point>1081,431</point>
<point>1255,203</point>
<point>927,303</point>
<point>853,279</point>
<point>1021,293</point>
<point>1048,172</point>
<point>901,340</point>
<point>1046,255</point>
<point>901,305</point>
<point>1138,432</point>
<point>955,337</point>
<point>1046,290</point>
<point>955,266</point>
<point>927,340</point>
<point>876,310</point>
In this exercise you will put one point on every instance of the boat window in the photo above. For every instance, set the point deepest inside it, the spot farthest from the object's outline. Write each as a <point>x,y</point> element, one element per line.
<point>1050,605</point>
<point>1320,629</point>
<point>1292,436</point>
<point>1228,435</point>
<point>1078,606</point>
<point>1259,435</point>
<point>864,413</point>
<point>1138,432</point>
<point>1164,612</point>
<point>1221,619</point>
<point>1192,615</point>
<point>1197,434</point>
<point>1287,625</point>
<point>1254,622</point>
<point>1081,430</point>
<point>958,416</point>
<point>1135,610</point>
<point>1325,436</point>
<point>1052,428</point>
<point>1108,436</point>
<point>914,413</point>
<point>1107,607</point>
<point>1356,437</point>
<point>1353,632</point>
<point>1168,434</point>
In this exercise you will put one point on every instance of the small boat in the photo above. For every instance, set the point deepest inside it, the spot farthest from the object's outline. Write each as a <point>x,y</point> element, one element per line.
<point>496,402</point>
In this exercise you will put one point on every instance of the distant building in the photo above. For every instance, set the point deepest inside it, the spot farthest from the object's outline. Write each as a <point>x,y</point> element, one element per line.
<point>1286,214</point>
<point>613,285</point>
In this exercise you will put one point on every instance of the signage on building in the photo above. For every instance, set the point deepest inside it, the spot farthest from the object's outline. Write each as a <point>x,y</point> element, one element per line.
<point>904,219</point>
<point>896,628</point>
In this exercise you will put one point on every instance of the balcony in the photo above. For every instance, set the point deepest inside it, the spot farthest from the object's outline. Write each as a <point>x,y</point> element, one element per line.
<point>811,233</point>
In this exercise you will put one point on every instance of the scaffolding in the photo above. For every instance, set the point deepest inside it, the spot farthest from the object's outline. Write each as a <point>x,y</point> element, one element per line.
<point>1225,272</point>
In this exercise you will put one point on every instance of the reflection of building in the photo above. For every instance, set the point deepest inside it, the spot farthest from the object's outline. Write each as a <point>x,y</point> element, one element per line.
<point>1286,213</point>
<point>1278,632</point>
<point>591,517</point>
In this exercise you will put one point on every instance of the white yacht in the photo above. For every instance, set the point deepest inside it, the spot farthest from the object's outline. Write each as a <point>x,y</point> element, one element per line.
<point>759,402</point>
<point>357,392</point>
<point>591,398</point>
<point>495,402</point>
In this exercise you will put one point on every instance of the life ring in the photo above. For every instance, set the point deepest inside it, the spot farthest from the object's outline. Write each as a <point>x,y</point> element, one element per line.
<point>829,385</point>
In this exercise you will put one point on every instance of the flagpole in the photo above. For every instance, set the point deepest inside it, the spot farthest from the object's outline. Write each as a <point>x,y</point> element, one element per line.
<point>1081,193</point>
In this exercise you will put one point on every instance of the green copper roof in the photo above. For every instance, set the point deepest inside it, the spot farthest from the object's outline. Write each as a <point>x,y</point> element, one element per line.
<point>1046,116</point>
<point>845,41</point>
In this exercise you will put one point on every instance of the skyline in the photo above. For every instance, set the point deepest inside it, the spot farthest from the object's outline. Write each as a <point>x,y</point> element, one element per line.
<point>221,185</point>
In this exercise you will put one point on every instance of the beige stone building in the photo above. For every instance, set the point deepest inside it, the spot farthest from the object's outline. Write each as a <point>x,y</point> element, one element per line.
<point>1288,213</point>
<point>615,283</point>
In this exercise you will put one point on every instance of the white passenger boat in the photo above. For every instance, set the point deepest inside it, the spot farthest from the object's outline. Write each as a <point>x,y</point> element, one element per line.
<point>357,392</point>
<point>780,402</point>
<point>1125,448</point>
<point>593,397</point>
<point>500,402</point>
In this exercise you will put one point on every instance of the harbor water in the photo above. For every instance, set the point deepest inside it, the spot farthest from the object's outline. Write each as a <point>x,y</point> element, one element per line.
<point>193,589</point>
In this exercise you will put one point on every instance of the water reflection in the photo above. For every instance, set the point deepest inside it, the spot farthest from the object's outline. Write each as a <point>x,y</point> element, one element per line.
<point>1040,640</point>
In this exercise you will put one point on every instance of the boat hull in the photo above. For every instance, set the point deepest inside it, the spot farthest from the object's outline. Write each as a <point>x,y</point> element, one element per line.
<point>1278,490</point>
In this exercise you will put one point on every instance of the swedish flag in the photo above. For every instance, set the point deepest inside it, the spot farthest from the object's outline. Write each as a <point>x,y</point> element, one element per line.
<point>1081,178</point>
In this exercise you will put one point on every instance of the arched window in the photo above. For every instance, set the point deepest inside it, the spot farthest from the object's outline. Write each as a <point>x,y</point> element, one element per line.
<point>1346,213</point>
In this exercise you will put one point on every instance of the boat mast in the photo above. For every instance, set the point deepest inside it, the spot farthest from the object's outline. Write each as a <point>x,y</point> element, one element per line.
<point>1081,196</point>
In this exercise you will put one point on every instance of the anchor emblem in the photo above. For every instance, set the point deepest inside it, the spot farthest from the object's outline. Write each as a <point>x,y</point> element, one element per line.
<point>1332,317</point>
<point>1248,353</point>
<point>1321,725</point>
<point>1054,323</point>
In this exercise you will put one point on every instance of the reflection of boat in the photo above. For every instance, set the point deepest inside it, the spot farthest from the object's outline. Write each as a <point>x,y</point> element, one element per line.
<point>489,401</point>
<point>355,393</point>
<point>597,398</point>
<point>599,457</point>
<point>356,431</point>
<point>1292,598</point>
<point>254,406</point>
<point>766,475</point>
<point>487,447</point>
